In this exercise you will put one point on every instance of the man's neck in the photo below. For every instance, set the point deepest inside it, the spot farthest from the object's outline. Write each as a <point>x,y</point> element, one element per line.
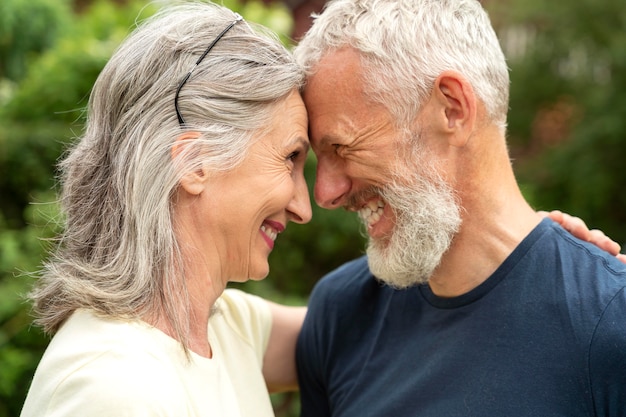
<point>487,237</point>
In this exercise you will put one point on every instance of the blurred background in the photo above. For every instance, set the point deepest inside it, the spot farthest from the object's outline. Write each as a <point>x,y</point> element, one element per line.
<point>567,128</point>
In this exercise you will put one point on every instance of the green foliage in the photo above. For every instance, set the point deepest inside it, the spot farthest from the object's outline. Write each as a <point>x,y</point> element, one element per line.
<point>568,110</point>
<point>57,85</point>
<point>21,346</point>
<point>273,15</point>
<point>28,27</point>
<point>29,153</point>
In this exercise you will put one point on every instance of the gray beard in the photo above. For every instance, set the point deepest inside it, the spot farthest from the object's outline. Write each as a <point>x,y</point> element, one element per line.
<point>427,219</point>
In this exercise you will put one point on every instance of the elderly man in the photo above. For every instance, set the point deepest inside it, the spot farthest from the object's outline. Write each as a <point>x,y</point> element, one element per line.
<point>468,302</point>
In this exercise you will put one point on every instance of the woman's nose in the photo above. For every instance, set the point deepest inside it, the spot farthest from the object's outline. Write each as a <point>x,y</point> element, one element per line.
<point>300,205</point>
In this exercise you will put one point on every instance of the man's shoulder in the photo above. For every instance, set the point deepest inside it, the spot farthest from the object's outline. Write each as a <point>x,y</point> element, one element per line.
<point>351,268</point>
<point>577,257</point>
<point>348,292</point>
<point>348,277</point>
<point>585,278</point>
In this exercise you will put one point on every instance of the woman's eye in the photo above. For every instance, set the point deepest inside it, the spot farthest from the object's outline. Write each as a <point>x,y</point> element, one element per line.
<point>294,155</point>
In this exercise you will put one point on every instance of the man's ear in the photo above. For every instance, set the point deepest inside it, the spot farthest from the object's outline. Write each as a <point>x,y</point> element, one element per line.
<point>193,182</point>
<point>456,95</point>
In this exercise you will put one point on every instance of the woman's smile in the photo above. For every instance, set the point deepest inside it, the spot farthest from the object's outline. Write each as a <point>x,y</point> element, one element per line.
<point>270,230</point>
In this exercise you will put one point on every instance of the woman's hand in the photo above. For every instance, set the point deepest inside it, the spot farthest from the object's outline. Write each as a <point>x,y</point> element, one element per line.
<point>579,229</point>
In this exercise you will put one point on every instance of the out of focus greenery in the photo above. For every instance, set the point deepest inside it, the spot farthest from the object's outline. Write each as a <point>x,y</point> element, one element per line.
<point>566,130</point>
<point>567,122</point>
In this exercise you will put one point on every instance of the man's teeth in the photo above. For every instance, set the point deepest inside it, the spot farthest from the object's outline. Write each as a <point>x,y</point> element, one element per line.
<point>372,212</point>
<point>271,233</point>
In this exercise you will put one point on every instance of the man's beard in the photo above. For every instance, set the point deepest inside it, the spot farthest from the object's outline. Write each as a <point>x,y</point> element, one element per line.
<point>427,218</point>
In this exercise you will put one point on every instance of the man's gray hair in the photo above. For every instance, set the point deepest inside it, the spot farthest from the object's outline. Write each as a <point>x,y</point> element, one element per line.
<point>405,45</point>
<point>118,254</point>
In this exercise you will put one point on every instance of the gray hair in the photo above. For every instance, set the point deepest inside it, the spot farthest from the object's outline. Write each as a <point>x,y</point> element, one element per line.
<point>118,254</point>
<point>405,45</point>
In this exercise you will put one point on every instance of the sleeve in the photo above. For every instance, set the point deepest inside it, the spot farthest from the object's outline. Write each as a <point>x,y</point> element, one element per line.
<point>250,316</point>
<point>607,361</point>
<point>309,359</point>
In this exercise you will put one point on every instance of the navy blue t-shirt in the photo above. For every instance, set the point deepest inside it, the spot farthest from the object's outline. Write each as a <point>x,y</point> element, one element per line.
<point>545,335</point>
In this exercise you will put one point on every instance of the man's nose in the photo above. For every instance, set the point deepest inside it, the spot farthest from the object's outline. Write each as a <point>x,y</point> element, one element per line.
<point>332,185</point>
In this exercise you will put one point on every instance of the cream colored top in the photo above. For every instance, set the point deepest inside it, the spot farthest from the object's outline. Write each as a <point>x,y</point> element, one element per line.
<point>100,367</point>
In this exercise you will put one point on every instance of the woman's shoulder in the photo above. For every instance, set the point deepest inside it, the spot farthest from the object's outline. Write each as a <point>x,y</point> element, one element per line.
<point>97,364</point>
<point>86,338</point>
<point>245,316</point>
<point>242,308</point>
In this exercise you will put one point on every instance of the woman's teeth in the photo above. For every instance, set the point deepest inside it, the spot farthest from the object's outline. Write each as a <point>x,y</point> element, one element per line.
<point>271,233</point>
<point>372,212</point>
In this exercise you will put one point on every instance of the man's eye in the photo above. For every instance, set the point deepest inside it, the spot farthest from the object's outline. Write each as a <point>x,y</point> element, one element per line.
<point>294,155</point>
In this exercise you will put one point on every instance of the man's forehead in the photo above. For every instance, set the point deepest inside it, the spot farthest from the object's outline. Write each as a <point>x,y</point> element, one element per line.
<point>336,68</point>
<point>335,82</point>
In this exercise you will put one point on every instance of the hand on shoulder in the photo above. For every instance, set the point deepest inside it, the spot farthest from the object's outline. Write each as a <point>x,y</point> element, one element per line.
<point>577,227</point>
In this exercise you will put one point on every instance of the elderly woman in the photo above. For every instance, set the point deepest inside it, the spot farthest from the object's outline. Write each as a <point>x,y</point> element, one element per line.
<point>190,166</point>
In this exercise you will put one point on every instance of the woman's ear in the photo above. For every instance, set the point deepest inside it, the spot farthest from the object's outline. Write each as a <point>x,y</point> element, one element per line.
<point>192,181</point>
<point>457,97</point>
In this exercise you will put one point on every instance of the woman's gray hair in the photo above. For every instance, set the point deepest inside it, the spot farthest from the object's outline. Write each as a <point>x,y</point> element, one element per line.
<point>118,254</point>
<point>405,44</point>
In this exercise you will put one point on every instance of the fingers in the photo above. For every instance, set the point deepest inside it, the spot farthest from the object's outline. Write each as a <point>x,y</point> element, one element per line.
<point>598,238</point>
<point>577,227</point>
<point>555,215</point>
<point>572,224</point>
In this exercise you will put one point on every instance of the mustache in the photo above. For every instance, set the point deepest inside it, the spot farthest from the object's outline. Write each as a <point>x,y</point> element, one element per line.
<point>356,201</point>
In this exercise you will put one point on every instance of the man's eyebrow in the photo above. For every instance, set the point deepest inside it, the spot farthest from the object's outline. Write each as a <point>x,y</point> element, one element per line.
<point>328,139</point>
